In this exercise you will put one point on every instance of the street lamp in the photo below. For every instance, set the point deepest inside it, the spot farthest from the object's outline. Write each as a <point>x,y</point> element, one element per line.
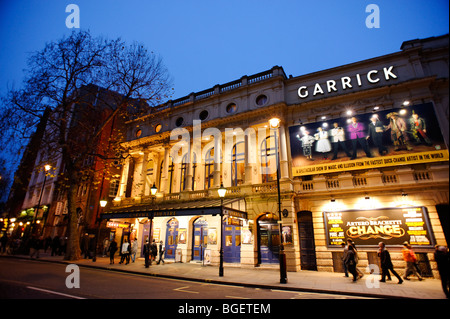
<point>103,202</point>
<point>47,167</point>
<point>153,189</point>
<point>275,124</point>
<point>222,191</point>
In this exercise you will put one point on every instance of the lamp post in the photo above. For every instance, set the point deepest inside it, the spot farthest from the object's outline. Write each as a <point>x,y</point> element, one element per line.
<point>47,167</point>
<point>275,124</point>
<point>222,191</point>
<point>103,202</point>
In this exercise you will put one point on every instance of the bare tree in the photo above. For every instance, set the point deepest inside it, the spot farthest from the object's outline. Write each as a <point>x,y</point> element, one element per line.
<point>66,77</point>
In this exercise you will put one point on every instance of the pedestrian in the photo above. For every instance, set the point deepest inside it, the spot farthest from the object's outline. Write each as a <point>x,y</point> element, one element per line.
<point>351,262</point>
<point>351,243</point>
<point>112,250</point>
<point>441,255</point>
<point>410,258</point>
<point>55,246</point>
<point>134,249</point>
<point>105,246</point>
<point>154,250</point>
<point>47,243</point>
<point>343,259</point>
<point>35,245</point>
<point>125,251</point>
<point>3,242</point>
<point>146,252</point>
<point>161,252</point>
<point>386,263</point>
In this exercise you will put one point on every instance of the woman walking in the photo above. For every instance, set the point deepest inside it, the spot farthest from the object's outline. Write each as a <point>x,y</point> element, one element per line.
<point>350,262</point>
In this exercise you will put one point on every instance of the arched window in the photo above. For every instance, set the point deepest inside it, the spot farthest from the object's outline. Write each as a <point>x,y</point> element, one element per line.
<point>209,168</point>
<point>268,159</point>
<point>170,173</point>
<point>238,164</point>
<point>184,171</point>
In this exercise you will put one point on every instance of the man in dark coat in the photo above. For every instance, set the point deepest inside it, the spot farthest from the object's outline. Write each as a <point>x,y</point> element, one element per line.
<point>146,252</point>
<point>441,255</point>
<point>386,263</point>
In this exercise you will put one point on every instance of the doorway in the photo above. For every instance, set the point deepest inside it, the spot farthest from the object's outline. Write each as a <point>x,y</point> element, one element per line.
<point>306,238</point>
<point>268,239</point>
<point>171,238</point>
<point>199,239</point>
<point>232,241</point>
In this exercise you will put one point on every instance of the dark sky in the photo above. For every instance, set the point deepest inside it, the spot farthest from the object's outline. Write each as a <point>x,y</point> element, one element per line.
<point>204,43</point>
<point>208,42</point>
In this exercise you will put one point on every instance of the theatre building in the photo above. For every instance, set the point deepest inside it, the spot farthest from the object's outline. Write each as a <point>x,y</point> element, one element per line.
<point>362,151</point>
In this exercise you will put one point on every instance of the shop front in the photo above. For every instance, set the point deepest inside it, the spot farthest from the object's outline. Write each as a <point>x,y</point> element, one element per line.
<point>189,231</point>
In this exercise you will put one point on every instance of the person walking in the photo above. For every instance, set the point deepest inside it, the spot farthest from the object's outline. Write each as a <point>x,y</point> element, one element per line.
<point>35,245</point>
<point>134,249</point>
<point>146,252</point>
<point>345,247</point>
<point>386,263</point>
<point>112,250</point>
<point>125,252</point>
<point>441,255</point>
<point>3,242</point>
<point>358,271</point>
<point>161,252</point>
<point>350,262</point>
<point>154,251</point>
<point>410,258</point>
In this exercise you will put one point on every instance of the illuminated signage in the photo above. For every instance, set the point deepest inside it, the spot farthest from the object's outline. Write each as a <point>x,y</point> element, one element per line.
<point>382,138</point>
<point>347,82</point>
<point>393,226</point>
<point>117,225</point>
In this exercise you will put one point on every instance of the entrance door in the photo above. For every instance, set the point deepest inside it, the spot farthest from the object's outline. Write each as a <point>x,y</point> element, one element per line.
<point>268,239</point>
<point>232,244</point>
<point>307,246</point>
<point>171,238</point>
<point>200,239</point>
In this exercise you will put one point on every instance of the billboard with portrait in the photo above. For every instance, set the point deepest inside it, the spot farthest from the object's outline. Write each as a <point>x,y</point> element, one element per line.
<point>399,136</point>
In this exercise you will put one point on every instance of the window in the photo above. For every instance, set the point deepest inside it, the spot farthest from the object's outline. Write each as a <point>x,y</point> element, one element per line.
<point>268,160</point>
<point>231,108</point>
<point>179,121</point>
<point>170,172</point>
<point>158,128</point>
<point>238,164</point>
<point>203,115</point>
<point>261,100</point>
<point>184,172</point>
<point>209,168</point>
<point>113,188</point>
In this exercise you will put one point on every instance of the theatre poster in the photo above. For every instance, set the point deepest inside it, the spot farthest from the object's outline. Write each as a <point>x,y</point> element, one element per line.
<point>399,136</point>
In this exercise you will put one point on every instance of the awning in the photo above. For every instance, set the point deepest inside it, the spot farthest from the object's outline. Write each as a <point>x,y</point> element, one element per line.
<point>231,207</point>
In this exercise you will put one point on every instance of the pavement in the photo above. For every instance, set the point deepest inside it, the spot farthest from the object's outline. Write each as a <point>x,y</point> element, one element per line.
<point>302,281</point>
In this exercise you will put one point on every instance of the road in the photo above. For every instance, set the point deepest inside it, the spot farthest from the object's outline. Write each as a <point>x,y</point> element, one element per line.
<point>31,279</point>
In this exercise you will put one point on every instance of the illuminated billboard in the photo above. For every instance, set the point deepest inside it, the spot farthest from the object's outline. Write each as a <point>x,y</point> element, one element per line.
<point>393,226</point>
<point>400,136</point>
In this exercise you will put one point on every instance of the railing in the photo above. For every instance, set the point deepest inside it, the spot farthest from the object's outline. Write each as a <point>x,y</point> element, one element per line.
<point>422,176</point>
<point>389,178</point>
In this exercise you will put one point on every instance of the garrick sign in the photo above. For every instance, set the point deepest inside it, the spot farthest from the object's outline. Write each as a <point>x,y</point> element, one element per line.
<point>369,227</point>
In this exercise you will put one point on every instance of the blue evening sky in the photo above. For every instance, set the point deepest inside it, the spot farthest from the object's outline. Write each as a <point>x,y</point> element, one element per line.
<point>204,43</point>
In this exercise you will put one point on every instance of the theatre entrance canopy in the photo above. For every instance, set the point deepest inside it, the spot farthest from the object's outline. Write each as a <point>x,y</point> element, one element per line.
<point>231,207</point>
